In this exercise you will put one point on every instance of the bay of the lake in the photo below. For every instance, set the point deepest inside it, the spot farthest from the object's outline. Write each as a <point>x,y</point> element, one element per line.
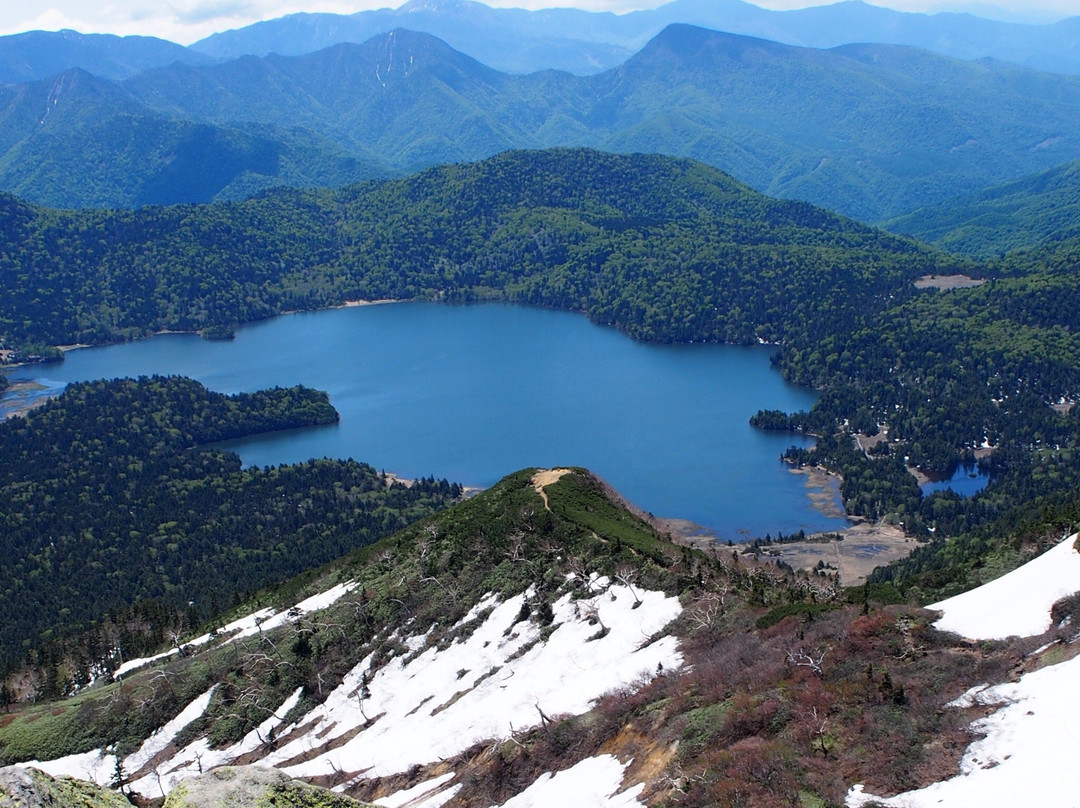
<point>472,393</point>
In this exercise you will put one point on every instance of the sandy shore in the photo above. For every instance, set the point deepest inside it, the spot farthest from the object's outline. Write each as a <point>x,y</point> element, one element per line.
<point>19,398</point>
<point>348,304</point>
<point>864,545</point>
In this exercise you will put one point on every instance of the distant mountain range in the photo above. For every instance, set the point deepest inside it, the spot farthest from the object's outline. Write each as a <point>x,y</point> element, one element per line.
<point>40,54</point>
<point>870,130</point>
<point>520,41</point>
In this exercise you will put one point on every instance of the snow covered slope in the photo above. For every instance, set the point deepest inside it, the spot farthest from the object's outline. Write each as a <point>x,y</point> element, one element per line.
<point>500,679</point>
<point>1027,756</point>
<point>1017,603</point>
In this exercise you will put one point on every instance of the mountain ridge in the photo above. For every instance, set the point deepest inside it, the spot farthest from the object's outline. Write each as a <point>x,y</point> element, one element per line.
<point>519,41</point>
<point>886,132</point>
<point>1038,211</point>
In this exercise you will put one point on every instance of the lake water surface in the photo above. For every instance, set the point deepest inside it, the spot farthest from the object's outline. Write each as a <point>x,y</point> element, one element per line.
<point>472,393</point>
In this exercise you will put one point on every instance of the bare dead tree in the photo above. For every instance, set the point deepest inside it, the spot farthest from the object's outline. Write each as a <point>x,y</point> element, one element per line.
<point>627,575</point>
<point>801,659</point>
<point>516,551</point>
<point>818,725</point>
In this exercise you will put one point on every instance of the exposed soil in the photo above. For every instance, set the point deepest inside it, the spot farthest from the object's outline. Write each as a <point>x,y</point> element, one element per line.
<point>864,547</point>
<point>948,282</point>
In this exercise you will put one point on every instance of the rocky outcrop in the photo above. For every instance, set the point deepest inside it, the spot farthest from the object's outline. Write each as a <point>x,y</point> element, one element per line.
<point>227,787</point>
<point>30,788</point>
<point>253,787</point>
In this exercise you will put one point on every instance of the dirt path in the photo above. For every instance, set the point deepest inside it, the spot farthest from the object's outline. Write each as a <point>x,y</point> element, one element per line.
<point>546,477</point>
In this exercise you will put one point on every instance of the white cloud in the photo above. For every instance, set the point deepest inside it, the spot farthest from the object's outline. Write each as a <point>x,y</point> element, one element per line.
<point>183,21</point>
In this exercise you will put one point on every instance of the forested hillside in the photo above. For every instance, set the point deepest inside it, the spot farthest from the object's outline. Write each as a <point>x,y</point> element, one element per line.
<point>663,249</point>
<point>78,140</point>
<point>109,500</point>
<point>1029,212</point>
<point>870,131</point>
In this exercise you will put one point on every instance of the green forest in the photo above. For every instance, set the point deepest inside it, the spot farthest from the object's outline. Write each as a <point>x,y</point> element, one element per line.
<point>663,249</point>
<point>118,521</point>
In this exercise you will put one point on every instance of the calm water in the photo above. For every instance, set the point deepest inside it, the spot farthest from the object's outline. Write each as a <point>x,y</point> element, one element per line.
<point>472,393</point>
<point>965,481</point>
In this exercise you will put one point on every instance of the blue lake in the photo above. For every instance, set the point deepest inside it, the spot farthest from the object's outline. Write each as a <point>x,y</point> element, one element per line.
<point>965,481</point>
<point>472,393</point>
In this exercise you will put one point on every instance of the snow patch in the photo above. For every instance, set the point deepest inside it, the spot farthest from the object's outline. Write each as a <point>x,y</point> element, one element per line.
<point>262,620</point>
<point>198,757</point>
<point>592,783</point>
<point>507,675</point>
<point>499,680</point>
<point>96,766</point>
<point>1016,604</point>
<point>156,743</point>
<point>1028,756</point>
<point>421,794</point>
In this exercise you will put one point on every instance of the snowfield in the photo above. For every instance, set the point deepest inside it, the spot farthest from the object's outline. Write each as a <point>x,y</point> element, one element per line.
<point>1027,756</point>
<point>431,703</point>
<point>592,783</point>
<point>1016,604</point>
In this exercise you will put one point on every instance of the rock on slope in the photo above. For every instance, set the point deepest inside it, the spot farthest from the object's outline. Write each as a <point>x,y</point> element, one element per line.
<point>253,787</point>
<point>235,787</point>
<point>30,788</point>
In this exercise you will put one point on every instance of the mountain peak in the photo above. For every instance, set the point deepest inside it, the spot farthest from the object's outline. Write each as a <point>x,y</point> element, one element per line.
<point>435,6</point>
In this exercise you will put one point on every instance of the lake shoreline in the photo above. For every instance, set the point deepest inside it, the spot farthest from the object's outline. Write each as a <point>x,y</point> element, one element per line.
<point>397,398</point>
<point>16,389</point>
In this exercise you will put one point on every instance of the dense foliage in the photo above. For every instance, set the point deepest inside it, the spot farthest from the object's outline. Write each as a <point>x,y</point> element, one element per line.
<point>1032,211</point>
<point>107,501</point>
<point>990,372</point>
<point>663,249</point>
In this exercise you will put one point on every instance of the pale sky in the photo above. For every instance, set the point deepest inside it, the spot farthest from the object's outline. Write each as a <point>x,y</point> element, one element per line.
<point>186,21</point>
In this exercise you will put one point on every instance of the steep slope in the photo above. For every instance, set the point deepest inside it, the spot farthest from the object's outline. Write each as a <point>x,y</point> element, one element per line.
<point>520,605</point>
<point>520,41</point>
<point>1039,210</point>
<point>537,643</point>
<point>77,140</point>
<point>1024,744</point>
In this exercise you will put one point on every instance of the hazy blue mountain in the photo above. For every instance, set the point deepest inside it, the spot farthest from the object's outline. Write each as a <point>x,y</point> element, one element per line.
<point>76,140</point>
<point>407,97</point>
<point>520,41</point>
<point>39,54</point>
<point>513,40</point>
<point>870,130</point>
<point>1032,211</point>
